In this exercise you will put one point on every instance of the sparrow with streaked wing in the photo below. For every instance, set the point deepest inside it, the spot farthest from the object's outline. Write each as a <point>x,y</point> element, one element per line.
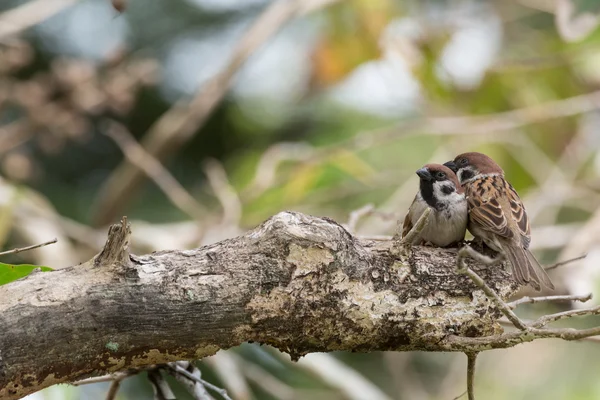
<point>497,216</point>
<point>439,189</point>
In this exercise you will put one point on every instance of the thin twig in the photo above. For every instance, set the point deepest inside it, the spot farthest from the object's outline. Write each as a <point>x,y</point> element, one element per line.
<point>209,385</point>
<point>460,395</point>
<point>162,390</point>
<point>228,368</point>
<point>508,324</point>
<point>561,263</point>
<point>105,378</point>
<point>138,156</point>
<point>270,160</point>
<point>114,388</point>
<point>356,216</point>
<point>546,319</point>
<point>511,339</point>
<point>471,360</point>
<point>194,386</point>
<point>21,249</point>
<point>531,300</point>
<point>414,235</point>
<point>225,193</point>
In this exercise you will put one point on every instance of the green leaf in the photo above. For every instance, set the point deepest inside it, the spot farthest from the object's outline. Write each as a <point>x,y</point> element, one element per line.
<point>12,272</point>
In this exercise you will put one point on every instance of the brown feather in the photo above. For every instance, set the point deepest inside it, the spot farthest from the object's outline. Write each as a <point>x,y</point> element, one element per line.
<point>407,225</point>
<point>519,265</point>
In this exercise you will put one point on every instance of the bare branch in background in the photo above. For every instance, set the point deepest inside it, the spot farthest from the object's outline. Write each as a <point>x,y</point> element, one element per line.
<point>35,246</point>
<point>113,390</point>
<point>570,27</point>
<point>225,193</point>
<point>191,379</point>
<point>162,390</point>
<point>156,171</point>
<point>195,377</point>
<point>265,176</point>
<point>471,360</point>
<point>532,300</point>
<point>356,216</point>
<point>561,263</point>
<point>29,14</point>
<point>262,378</point>
<point>178,125</point>
<point>337,374</point>
<point>232,372</point>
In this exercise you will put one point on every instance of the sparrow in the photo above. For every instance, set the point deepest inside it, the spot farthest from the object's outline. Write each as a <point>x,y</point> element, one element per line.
<point>497,216</point>
<point>439,189</point>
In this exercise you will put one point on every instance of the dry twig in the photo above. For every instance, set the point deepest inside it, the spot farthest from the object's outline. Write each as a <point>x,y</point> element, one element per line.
<point>195,386</point>
<point>193,377</point>
<point>531,300</point>
<point>136,154</point>
<point>162,390</point>
<point>225,193</point>
<point>356,215</point>
<point>471,360</point>
<point>561,263</point>
<point>35,246</point>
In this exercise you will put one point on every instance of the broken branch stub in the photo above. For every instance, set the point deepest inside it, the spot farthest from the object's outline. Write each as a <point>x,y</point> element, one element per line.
<point>300,283</point>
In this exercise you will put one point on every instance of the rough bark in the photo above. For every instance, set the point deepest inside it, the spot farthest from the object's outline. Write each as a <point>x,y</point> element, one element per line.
<point>299,283</point>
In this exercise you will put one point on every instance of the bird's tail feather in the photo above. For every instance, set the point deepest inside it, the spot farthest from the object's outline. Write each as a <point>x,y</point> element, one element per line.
<point>526,269</point>
<point>519,266</point>
<point>538,271</point>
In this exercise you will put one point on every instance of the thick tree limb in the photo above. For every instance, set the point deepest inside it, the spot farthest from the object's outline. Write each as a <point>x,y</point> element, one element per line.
<point>299,283</point>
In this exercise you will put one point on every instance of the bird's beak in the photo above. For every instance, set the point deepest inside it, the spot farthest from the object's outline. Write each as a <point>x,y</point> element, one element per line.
<point>451,165</point>
<point>424,174</point>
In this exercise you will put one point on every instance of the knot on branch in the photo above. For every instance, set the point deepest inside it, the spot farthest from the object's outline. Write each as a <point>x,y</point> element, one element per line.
<point>116,249</point>
<point>289,227</point>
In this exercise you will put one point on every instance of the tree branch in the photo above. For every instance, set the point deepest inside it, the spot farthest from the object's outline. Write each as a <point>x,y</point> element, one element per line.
<point>299,283</point>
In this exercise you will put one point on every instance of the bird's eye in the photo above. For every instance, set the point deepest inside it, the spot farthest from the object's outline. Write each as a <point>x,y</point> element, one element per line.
<point>440,175</point>
<point>463,161</point>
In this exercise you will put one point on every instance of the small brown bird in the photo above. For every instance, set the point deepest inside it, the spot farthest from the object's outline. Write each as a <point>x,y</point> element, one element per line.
<point>439,189</point>
<point>497,216</point>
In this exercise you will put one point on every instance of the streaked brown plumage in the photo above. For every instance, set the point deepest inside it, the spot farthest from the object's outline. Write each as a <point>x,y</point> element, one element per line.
<point>498,217</point>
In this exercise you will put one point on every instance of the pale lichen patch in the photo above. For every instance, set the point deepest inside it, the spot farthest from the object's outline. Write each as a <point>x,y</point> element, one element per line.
<point>206,351</point>
<point>308,259</point>
<point>154,356</point>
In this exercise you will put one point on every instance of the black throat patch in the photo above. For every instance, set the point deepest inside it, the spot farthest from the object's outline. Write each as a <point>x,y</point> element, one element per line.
<point>426,188</point>
<point>466,174</point>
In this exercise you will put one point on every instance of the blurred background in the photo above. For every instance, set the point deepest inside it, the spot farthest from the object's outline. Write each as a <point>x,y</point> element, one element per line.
<point>238,109</point>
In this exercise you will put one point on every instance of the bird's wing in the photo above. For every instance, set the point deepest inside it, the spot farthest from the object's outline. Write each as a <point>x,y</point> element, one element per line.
<point>519,215</point>
<point>485,209</point>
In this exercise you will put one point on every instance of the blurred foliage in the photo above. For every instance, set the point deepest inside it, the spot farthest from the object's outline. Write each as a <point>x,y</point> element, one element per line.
<point>10,272</point>
<point>361,85</point>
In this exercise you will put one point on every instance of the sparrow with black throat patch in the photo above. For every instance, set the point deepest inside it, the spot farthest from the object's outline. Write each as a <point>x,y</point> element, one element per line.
<point>440,190</point>
<point>497,216</point>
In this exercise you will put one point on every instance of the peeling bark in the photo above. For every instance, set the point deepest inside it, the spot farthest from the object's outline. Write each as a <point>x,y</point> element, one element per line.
<point>299,283</point>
